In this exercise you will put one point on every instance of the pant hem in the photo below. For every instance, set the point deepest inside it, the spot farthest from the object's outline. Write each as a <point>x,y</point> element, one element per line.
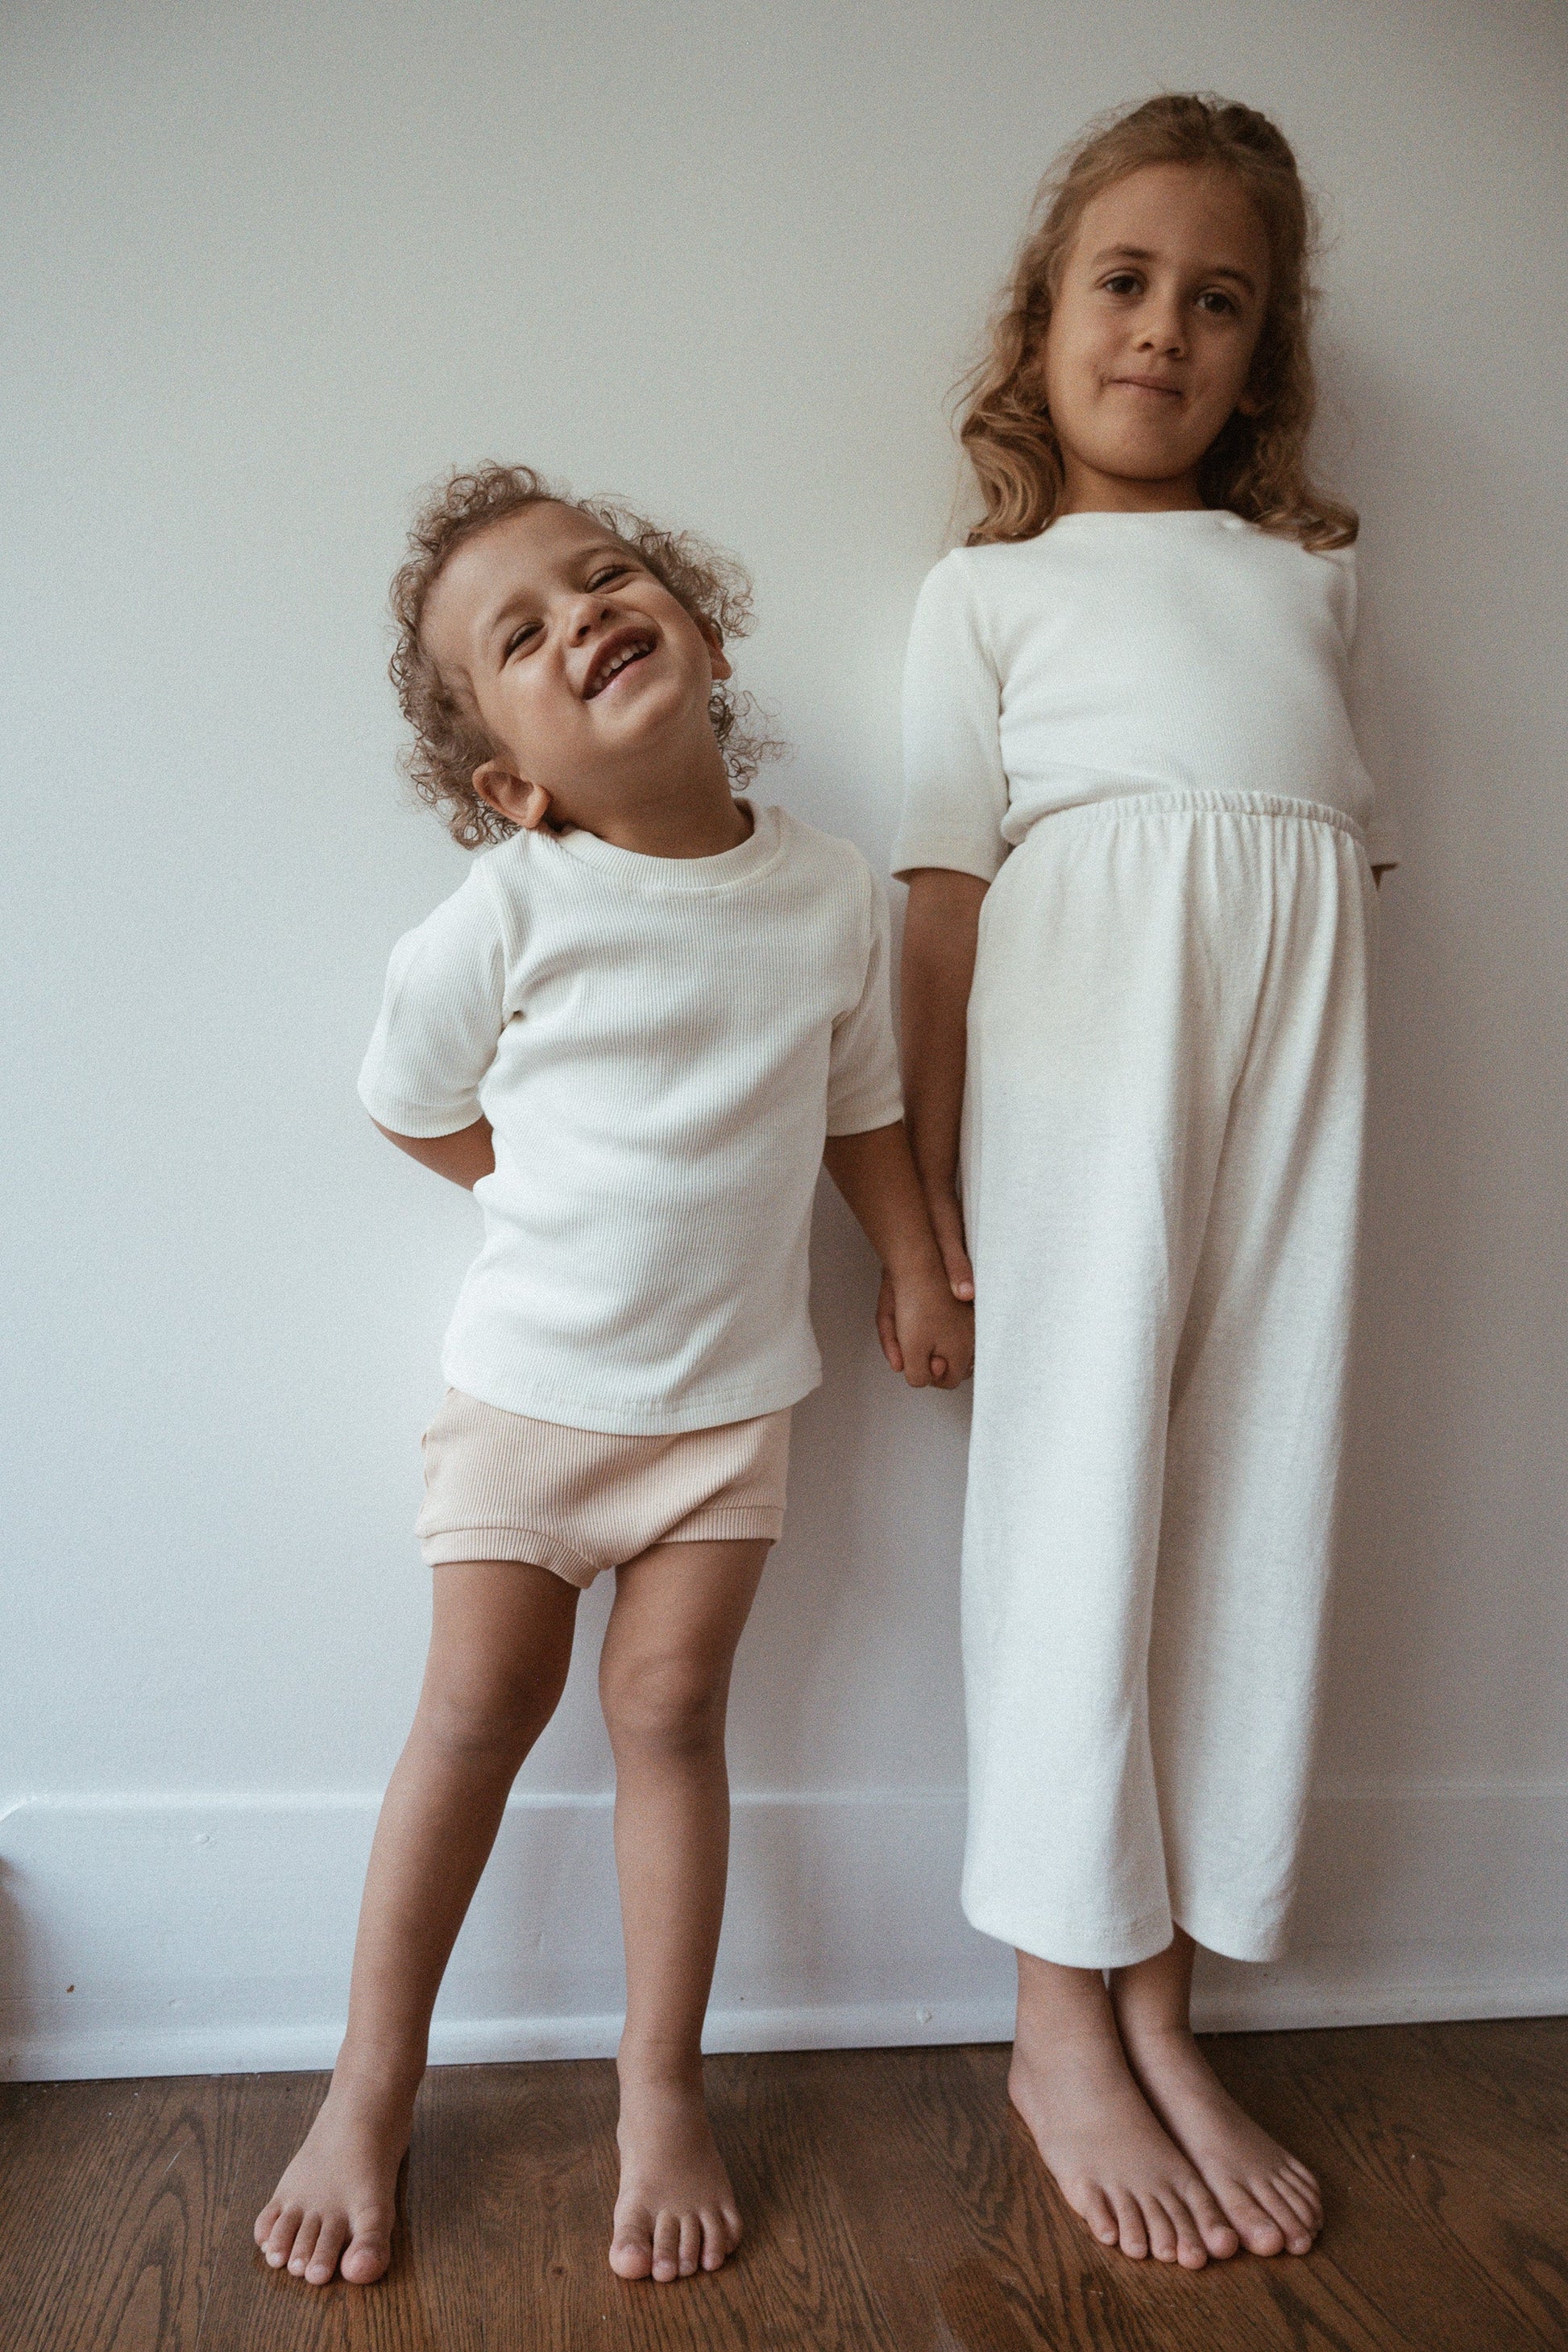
<point>1120,1945</point>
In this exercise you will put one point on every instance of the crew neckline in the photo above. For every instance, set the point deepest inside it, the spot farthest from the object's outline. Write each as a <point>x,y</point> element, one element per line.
<point>1154,514</point>
<point>716,871</point>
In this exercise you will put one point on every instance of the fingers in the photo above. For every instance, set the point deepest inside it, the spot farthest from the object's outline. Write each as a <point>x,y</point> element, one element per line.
<point>888,1324</point>
<point>947,1224</point>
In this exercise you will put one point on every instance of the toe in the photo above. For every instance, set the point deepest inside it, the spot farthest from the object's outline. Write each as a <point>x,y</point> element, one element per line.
<point>1131,2234</point>
<point>1219,2238</point>
<point>1282,2211</point>
<point>1189,2248</point>
<point>666,2246</point>
<point>305,2238</point>
<point>691,2252</point>
<point>631,2248</point>
<point>334,2238</point>
<point>1160,2229</point>
<point>1303,2197</point>
<point>369,2253</point>
<point>1101,2214</point>
<point>267,2222</point>
<point>280,2239</point>
<point>1256,2227</point>
<point>715,2238</point>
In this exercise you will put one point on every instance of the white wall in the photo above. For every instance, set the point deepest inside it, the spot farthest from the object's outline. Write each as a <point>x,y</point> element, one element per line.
<point>273,269</point>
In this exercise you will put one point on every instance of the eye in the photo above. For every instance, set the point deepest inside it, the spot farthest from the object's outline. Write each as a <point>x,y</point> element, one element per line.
<point>609,572</point>
<point>1120,281</point>
<point>519,638</point>
<point>1218,305</point>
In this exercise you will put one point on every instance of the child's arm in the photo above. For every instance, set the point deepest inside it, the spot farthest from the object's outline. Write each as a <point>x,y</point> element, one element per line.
<point>462,1158</point>
<point>926,1333</point>
<point>940,931</point>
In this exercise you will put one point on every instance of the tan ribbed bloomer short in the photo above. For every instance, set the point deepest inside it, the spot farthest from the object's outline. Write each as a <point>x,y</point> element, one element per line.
<point>498,1485</point>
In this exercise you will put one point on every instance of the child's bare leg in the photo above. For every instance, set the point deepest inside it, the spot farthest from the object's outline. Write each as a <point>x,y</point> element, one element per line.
<point>664,1675</point>
<point>1270,2197</point>
<point>1108,2155</point>
<point>501,1644</point>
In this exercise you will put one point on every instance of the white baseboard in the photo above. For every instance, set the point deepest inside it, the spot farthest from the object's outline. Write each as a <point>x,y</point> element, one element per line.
<point>157,1935</point>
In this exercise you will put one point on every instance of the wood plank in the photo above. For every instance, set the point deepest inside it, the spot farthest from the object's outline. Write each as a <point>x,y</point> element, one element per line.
<point>893,2203</point>
<point>1412,2228</point>
<point>1465,2215</point>
<point>111,2196</point>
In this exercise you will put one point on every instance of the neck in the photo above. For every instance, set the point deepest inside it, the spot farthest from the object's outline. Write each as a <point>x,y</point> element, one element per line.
<point>683,810</point>
<point>1086,490</point>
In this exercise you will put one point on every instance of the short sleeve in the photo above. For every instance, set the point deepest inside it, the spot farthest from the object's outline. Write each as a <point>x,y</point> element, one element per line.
<point>1366,703</point>
<point>441,1017</point>
<point>863,1089</point>
<point>955,787</point>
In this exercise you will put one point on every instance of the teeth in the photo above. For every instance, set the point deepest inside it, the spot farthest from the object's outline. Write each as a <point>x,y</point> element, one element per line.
<point>629,654</point>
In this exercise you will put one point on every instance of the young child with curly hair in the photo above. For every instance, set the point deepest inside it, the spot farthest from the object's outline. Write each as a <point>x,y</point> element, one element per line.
<point>637,1032</point>
<point>1141,848</point>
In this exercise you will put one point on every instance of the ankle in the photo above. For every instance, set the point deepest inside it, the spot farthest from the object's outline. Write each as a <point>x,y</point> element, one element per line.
<point>389,2077</point>
<point>1060,2005</point>
<point>659,2068</point>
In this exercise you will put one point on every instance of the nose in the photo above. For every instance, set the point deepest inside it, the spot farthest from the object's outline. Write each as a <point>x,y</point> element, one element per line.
<point>587,611</point>
<point>1159,327</point>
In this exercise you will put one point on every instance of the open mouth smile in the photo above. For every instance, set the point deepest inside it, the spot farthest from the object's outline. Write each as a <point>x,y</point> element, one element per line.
<point>618,652</point>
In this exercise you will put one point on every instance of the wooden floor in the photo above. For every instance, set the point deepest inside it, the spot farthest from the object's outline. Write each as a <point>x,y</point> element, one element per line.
<point>891,2204</point>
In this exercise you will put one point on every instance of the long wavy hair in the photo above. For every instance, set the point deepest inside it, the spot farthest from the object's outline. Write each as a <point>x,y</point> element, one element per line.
<point>448,741</point>
<point>1258,466</point>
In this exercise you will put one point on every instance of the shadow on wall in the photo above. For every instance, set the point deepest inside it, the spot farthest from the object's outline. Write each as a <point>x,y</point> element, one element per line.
<point>1446,1637</point>
<point>17,2008</point>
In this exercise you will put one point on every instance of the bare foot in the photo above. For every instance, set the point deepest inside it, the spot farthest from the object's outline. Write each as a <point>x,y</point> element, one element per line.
<point>1271,2199</point>
<point>676,2213</point>
<point>1106,2151</point>
<point>335,2205</point>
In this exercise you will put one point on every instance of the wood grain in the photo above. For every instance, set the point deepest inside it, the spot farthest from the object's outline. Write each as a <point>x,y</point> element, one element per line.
<point>893,2204</point>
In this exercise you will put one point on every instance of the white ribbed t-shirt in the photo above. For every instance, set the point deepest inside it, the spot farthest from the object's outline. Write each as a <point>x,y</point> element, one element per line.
<point>661,1046</point>
<point>1122,654</point>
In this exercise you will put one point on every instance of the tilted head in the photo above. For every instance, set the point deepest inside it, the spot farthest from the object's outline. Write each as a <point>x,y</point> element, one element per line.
<point>545,642</point>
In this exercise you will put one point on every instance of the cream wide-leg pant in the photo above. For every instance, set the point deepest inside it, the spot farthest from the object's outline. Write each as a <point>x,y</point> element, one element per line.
<point>1162,1162</point>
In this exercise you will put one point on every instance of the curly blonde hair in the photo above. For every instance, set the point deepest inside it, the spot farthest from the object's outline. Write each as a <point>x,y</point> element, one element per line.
<point>449,742</point>
<point>1258,466</point>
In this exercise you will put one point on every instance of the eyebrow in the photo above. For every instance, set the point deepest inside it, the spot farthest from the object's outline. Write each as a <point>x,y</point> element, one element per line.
<point>1142,253</point>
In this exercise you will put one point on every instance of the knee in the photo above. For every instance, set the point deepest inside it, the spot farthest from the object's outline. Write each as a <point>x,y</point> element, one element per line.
<point>479,1717</point>
<point>663,1706</point>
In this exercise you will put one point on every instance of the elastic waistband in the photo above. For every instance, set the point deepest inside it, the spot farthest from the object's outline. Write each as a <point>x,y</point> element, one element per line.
<point>1201,803</point>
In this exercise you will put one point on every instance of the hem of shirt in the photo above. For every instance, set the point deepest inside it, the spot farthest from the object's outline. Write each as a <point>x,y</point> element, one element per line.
<point>416,1120</point>
<point>616,1417</point>
<point>856,1123</point>
<point>953,856</point>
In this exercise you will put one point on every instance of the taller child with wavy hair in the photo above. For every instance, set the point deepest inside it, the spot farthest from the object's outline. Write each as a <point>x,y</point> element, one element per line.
<point>1141,849</point>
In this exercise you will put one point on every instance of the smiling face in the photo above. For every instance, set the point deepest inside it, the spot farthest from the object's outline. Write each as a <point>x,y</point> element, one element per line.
<point>590,677</point>
<point>1152,333</point>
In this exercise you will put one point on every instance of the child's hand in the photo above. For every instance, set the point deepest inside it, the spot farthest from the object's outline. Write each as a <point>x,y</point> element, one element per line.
<point>926,1333</point>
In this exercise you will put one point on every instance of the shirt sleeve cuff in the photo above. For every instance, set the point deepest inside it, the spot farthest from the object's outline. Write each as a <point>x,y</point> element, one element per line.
<point>863,1117</point>
<point>422,1120</point>
<point>955,853</point>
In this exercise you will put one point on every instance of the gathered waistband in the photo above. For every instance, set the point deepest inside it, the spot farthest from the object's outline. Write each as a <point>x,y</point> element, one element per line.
<point>1201,803</point>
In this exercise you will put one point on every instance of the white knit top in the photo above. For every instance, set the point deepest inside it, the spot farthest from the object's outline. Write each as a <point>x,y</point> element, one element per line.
<point>1126,653</point>
<point>661,1046</point>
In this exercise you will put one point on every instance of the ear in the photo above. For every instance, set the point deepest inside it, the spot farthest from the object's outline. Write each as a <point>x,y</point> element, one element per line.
<point>717,659</point>
<point>524,805</point>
